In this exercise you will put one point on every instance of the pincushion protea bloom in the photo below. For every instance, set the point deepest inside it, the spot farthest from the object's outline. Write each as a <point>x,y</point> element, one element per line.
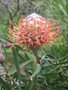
<point>34,32</point>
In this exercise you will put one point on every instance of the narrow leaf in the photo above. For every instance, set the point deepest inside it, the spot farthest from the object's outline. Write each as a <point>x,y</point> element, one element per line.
<point>37,70</point>
<point>17,66</point>
<point>4,84</point>
<point>62,9</point>
<point>14,70</point>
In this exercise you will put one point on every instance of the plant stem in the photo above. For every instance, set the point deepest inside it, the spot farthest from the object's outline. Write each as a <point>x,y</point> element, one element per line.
<point>34,88</point>
<point>35,52</point>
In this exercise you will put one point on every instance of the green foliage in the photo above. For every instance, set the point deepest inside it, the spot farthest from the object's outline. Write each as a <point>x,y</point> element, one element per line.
<point>23,72</point>
<point>5,85</point>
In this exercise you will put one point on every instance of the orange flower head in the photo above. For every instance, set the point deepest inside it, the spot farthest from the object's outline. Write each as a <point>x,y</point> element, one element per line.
<point>34,32</point>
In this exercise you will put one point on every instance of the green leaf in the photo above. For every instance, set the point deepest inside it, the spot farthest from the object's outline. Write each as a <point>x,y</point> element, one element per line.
<point>17,66</point>
<point>60,63</point>
<point>5,38</point>
<point>13,70</point>
<point>5,85</point>
<point>37,70</point>
<point>62,9</point>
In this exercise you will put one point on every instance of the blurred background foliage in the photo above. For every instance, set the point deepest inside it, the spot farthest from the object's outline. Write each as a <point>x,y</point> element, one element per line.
<point>55,69</point>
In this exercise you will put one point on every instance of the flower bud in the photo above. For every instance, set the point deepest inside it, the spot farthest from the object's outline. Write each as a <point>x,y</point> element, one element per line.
<point>8,45</point>
<point>2,58</point>
<point>0,45</point>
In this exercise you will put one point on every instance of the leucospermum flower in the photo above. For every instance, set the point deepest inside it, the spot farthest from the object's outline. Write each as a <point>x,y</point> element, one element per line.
<point>34,31</point>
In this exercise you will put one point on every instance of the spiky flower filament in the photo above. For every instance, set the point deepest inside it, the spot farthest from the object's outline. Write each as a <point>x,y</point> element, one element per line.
<point>34,32</point>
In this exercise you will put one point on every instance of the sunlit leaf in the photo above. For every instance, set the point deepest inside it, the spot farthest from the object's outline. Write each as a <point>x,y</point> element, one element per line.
<point>63,10</point>
<point>37,70</point>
